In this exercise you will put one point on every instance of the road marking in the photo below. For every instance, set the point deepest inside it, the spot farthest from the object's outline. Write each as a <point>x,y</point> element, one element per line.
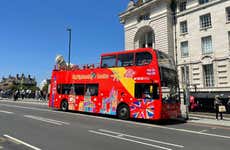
<point>26,102</point>
<point>123,121</point>
<point>203,131</point>
<point>212,126</point>
<point>30,108</point>
<point>6,112</point>
<point>56,122</point>
<point>21,142</point>
<point>206,116</point>
<point>130,140</point>
<point>140,138</point>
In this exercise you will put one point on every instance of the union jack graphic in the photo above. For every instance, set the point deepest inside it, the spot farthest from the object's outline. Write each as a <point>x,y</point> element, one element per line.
<point>143,109</point>
<point>151,72</point>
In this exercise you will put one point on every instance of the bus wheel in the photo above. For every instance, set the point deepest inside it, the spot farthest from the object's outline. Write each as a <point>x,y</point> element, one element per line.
<point>123,112</point>
<point>64,105</point>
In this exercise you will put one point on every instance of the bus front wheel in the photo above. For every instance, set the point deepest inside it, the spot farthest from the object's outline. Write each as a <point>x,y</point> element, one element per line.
<point>123,112</point>
<point>64,105</point>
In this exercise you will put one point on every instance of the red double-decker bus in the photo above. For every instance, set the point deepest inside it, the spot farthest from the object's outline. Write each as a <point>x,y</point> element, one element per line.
<point>138,83</point>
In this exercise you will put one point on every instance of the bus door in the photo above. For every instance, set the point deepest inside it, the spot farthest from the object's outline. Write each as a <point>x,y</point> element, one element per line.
<point>170,102</point>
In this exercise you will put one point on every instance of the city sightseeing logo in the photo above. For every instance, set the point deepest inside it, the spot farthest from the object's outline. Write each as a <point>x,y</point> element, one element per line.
<point>129,73</point>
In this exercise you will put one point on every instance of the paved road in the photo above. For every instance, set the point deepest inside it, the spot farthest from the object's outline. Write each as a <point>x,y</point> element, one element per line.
<point>34,127</point>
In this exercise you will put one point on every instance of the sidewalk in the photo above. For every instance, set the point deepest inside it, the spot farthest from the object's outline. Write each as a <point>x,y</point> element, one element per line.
<point>208,114</point>
<point>209,118</point>
<point>26,100</point>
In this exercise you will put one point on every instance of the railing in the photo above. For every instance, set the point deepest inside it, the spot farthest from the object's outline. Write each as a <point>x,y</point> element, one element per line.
<point>78,67</point>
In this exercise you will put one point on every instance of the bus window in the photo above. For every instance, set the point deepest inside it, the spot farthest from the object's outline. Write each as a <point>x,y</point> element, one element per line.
<point>125,60</point>
<point>143,58</point>
<point>72,90</point>
<point>108,61</point>
<point>59,88</point>
<point>165,61</point>
<point>79,89</point>
<point>169,81</point>
<point>91,90</point>
<point>64,89</point>
<point>149,91</point>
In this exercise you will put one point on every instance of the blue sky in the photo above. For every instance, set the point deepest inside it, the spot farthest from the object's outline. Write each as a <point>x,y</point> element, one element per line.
<point>33,32</point>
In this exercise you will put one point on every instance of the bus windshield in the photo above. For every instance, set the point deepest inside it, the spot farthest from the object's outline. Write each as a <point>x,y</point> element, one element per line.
<point>169,81</point>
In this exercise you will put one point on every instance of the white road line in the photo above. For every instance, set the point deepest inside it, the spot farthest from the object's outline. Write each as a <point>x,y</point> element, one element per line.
<point>26,102</point>
<point>203,131</point>
<point>56,122</point>
<point>141,138</point>
<point>123,121</point>
<point>130,140</point>
<point>30,108</point>
<point>21,142</point>
<point>6,112</point>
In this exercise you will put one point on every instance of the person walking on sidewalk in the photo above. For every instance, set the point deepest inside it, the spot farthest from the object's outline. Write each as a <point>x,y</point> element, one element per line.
<point>217,103</point>
<point>228,105</point>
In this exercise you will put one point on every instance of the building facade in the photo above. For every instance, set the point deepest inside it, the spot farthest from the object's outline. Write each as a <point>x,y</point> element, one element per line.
<point>148,24</point>
<point>17,82</point>
<point>203,46</point>
<point>195,32</point>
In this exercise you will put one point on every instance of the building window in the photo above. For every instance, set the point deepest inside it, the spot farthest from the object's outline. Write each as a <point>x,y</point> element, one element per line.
<point>228,14</point>
<point>183,27</point>
<point>147,40</point>
<point>206,43</point>
<point>182,5</point>
<point>208,75</point>
<point>205,21</point>
<point>144,17</point>
<point>184,49</point>
<point>140,2</point>
<point>185,74</point>
<point>203,1</point>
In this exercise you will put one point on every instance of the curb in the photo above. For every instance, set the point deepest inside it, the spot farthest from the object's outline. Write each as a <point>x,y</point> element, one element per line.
<point>208,117</point>
<point>26,101</point>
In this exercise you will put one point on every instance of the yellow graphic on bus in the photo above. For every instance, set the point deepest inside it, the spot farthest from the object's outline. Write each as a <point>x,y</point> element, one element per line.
<point>128,83</point>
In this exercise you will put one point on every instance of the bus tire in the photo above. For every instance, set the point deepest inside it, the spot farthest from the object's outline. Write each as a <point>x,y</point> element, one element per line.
<point>64,105</point>
<point>123,112</point>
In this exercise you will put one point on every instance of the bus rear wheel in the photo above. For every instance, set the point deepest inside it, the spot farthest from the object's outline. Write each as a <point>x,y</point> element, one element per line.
<point>123,112</point>
<point>64,105</point>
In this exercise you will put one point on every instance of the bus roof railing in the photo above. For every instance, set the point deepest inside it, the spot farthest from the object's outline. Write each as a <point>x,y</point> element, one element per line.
<point>77,67</point>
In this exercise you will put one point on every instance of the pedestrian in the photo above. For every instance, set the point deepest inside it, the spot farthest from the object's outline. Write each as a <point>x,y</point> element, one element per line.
<point>16,95</point>
<point>1,93</point>
<point>22,94</point>
<point>37,94</point>
<point>217,104</point>
<point>228,105</point>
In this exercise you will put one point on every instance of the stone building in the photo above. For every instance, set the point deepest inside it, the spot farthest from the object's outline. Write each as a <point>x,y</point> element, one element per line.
<point>17,81</point>
<point>195,32</point>
<point>148,24</point>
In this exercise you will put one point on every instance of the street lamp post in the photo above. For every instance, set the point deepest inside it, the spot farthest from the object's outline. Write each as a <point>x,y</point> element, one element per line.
<point>187,92</point>
<point>69,30</point>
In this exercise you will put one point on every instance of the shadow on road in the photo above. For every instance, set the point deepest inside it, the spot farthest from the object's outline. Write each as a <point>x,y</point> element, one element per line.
<point>156,122</point>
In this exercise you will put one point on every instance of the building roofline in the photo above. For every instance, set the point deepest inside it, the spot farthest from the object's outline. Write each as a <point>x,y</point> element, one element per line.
<point>199,7</point>
<point>137,8</point>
